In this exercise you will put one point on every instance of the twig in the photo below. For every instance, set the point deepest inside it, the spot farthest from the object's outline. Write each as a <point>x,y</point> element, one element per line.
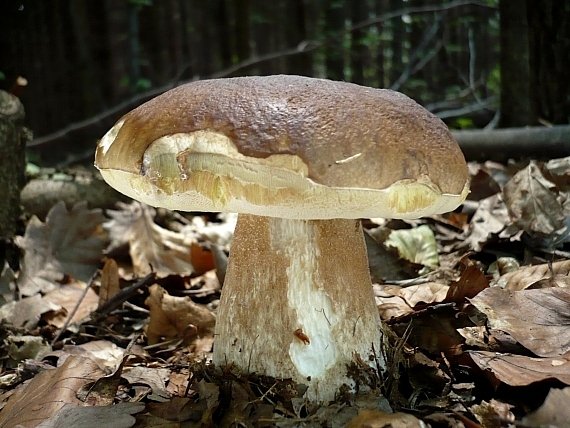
<point>125,294</point>
<point>74,311</point>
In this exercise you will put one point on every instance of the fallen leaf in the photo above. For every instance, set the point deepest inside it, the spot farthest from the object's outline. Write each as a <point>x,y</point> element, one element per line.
<point>532,202</point>
<point>67,297</point>
<point>470,283</point>
<point>28,311</point>
<point>416,245</point>
<point>521,370</point>
<point>489,220</point>
<point>426,293</point>
<point>378,419</point>
<point>106,354</point>
<point>110,285</point>
<point>115,416</point>
<point>25,347</point>
<point>176,317</point>
<point>48,392</point>
<point>554,412</point>
<point>69,243</point>
<point>493,414</point>
<point>151,247</point>
<point>538,319</point>
<point>526,276</point>
<point>155,378</point>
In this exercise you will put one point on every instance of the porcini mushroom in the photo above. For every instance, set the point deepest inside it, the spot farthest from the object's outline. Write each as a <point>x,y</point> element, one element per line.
<point>301,160</point>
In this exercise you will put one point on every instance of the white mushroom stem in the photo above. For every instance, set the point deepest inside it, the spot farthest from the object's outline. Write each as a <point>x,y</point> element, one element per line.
<point>297,302</point>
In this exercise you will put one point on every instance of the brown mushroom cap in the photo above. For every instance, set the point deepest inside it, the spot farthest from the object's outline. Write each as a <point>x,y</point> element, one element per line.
<point>285,146</point>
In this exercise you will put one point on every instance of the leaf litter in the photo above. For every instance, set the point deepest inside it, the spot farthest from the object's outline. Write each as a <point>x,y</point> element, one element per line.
<point>111,316</point>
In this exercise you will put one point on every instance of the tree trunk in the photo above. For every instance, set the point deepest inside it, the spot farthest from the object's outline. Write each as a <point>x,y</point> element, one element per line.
<point>549,39</point>
<point>360,53</point>
<point>516,108</point>
<point>334,23</point>
<point>13,139</point>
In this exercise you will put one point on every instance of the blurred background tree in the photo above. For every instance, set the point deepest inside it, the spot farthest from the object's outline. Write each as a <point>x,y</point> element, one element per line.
<point>95,60</point>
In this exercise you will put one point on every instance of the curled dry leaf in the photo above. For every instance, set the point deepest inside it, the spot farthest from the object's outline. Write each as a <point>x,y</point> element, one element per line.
<point>538,319</point>
<point>177,317</point>
<point>470,283</point>
<point>426,293</point>
<point>151,246</point>
<point>490,219</point>
<point>527,276</point>
<point>532,201</point>
<point>520,370</point>
<point>69,243</point>
<point>492,414</point>
<point>48,392</point>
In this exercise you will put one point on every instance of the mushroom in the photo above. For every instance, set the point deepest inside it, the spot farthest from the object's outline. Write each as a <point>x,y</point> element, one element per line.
<point>302,160</point>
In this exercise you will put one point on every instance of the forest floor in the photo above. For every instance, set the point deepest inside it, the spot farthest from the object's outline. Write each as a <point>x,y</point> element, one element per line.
<point>115,315</point>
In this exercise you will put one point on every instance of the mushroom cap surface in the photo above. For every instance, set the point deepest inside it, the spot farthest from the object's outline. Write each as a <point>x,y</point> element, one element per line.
<point>285,146</point>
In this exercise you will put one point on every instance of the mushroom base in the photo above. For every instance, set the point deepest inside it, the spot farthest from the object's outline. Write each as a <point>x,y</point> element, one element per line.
<point>297,303</point>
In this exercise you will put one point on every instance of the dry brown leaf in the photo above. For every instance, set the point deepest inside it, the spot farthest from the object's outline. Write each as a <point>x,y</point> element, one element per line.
<point>106,354</point>
<point>67,297</point>
<point>531,201</point>
<point>110,284</point>
<point>155,378</point>
<point>48,392</point>
<point>68,243</point>
<point>177,409</point>
<point>554,412</point>
<point>178,383</point>
<point>115,416</point>
<point>23,347</point>
<point>526,276</point>
<point>377,419</point>
<point>426,293</point>
<point>490,219</point>
<point>471,282</point>
<point>392,307</point>
<point>28,311</point>
<point>520,370</point>
<point>177,317</point>
<point>493,414</point>
<point>151,247</point>
<point>538,319</point>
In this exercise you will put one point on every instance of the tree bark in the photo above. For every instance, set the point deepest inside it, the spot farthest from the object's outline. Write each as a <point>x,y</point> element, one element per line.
<point>334,23</point>
<point>13,139</point>
<point>516,109</point>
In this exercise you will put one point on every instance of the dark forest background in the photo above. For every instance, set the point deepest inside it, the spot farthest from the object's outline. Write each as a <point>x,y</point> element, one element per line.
<point>474,63</point>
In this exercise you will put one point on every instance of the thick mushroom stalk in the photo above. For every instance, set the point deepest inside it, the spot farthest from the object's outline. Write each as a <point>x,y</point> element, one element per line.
<point>297,302</point>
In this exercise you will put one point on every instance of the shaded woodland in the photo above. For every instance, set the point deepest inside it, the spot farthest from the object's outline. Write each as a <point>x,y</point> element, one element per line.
<point>82,59</point>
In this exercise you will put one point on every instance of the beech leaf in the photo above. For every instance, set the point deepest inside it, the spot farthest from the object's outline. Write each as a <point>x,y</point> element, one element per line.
<point>538,319</point>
